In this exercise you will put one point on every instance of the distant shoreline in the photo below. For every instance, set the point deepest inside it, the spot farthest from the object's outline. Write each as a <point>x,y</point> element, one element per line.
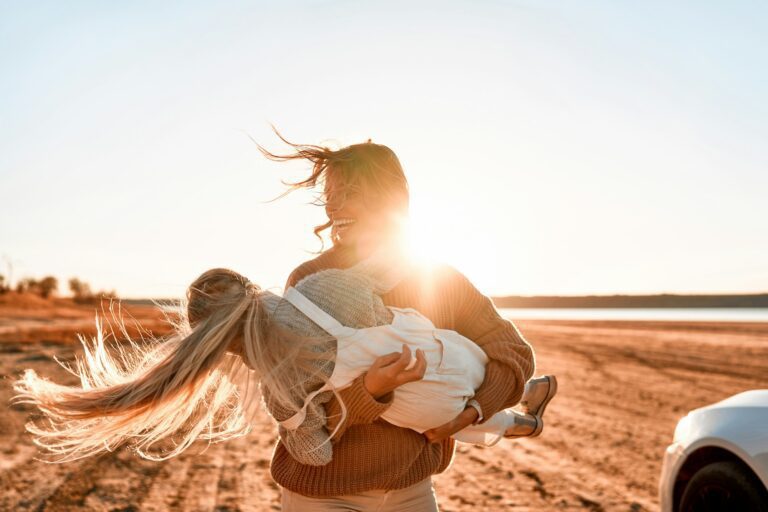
<point>759,300</point>
<point>661,301</point>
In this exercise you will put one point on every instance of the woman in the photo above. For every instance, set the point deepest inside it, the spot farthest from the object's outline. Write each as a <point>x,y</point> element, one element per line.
<point>376,465</point>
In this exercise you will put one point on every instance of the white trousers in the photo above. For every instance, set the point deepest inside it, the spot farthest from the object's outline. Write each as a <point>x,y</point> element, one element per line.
<point>488,433</point>
<point>419,497</point>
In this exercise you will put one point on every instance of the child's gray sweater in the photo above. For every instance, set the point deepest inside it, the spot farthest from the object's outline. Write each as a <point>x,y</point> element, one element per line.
<point>353,298</point>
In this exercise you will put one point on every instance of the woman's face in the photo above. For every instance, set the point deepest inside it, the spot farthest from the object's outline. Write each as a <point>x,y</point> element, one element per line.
<point>358,221</point>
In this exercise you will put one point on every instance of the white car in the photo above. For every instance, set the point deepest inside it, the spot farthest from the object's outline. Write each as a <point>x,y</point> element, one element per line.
<point>719,458</point>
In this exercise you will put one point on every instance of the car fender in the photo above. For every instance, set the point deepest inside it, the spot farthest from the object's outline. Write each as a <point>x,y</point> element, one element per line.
<point>737,425</point>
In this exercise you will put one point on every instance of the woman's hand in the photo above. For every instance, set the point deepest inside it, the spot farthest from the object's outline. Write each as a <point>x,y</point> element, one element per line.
<point>390,371</point>
<point>464,419</point>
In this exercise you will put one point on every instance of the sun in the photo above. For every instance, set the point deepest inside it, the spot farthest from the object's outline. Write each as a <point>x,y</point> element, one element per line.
<point>438,232</point>
<point>430,234</point>
<point>422,241</point>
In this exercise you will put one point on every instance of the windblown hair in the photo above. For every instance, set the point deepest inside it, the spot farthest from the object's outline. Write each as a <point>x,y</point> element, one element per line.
<point>160,395</point>
<point>369,169</point>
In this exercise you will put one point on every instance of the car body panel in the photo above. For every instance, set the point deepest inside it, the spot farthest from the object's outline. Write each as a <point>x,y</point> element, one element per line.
<point>738,424</point>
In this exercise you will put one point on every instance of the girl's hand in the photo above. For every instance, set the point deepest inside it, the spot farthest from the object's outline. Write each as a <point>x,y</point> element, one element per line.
<point>464,419</point>
<point>390,371</point>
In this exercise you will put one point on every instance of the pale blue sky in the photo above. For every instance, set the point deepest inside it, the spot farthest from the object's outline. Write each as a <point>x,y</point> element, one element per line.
<point>552,147</point>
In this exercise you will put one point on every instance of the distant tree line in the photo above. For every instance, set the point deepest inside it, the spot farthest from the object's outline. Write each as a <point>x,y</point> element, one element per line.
<point>49,285</point>
<point>45,287</point>
<point>81,292</point>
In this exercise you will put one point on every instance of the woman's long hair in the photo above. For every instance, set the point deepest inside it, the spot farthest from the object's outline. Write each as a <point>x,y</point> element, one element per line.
<point>367,168</point>
<point>160,395</point>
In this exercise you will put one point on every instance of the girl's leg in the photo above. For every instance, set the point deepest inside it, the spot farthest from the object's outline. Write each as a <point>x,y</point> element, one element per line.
<point>506,423</point>
<point>488,433</point>
<point>510,423</point>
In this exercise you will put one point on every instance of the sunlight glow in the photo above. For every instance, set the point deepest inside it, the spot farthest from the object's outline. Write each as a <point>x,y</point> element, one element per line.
<point>425,240</point>
<point>467,239</point>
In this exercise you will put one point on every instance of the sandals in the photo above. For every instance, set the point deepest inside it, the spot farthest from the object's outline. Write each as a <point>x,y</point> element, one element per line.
<point>536,397</point>
<point>538,393</point>
<point>534,422</point>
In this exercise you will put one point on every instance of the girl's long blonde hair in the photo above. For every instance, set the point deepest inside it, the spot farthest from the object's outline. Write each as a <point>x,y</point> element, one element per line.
<point>160,395</point>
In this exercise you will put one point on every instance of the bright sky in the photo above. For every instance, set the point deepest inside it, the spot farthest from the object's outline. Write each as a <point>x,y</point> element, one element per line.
<point>552,147</point>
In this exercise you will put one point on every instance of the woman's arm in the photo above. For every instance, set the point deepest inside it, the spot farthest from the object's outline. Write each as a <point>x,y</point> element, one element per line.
<point>373,392</point>
<point>361,408</point>
<point>511,359</point>
<point>308,444</point>
<point>365,400</point>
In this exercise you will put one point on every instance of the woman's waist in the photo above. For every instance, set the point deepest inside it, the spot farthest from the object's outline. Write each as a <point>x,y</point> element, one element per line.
<point>372,456</point>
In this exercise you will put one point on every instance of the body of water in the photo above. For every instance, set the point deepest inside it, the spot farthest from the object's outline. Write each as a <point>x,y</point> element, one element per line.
<point>658,314</point>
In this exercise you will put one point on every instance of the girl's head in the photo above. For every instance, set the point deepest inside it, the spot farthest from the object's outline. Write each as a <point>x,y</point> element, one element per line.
<point>216,294</point>
<point>364,190</point>
<point>162,394</point>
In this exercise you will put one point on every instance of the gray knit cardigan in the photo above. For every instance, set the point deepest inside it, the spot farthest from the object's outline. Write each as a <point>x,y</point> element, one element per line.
<point>353,297</point>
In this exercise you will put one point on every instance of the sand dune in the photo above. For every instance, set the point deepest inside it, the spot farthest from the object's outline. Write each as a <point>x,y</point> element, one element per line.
<point>623,387</point>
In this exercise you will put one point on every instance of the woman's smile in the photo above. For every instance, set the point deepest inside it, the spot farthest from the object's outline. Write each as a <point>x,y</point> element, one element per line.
<point>342,224</point>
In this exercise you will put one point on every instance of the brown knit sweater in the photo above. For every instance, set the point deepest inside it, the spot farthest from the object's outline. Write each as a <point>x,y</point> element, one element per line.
<point>369,453</point>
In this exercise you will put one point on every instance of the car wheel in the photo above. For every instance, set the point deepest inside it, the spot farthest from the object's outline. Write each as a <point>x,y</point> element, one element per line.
<point>724,487</point>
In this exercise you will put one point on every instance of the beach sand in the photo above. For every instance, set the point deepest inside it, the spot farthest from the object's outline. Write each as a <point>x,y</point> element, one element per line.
<point>623,386</point>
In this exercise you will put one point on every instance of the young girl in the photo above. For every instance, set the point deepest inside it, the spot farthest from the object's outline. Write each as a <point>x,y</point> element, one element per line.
<point>327,330</point>
<point>450,367</point>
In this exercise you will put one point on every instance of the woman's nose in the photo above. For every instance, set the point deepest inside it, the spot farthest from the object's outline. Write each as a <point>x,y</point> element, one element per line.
<point>331,209</point>
<point>335,206</point>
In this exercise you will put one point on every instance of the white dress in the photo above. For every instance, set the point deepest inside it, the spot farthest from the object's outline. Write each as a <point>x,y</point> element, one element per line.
<point>455,369</point>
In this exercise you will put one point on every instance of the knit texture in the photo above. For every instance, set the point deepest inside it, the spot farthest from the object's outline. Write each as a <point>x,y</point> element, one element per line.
<point>350,297</point>
<point>368,453</point>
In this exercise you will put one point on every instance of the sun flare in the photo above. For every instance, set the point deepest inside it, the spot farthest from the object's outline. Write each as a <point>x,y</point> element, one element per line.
<point>431,235</point>
<point>435,232</point>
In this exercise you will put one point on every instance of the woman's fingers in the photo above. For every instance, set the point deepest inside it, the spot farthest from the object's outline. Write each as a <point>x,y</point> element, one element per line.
<point>436,435</point>
<point>421,362</point>
<point>418,370</point>
<point>464,419</point>
<point>386,360</point>
<point>444,431</point>
<point>391,371</point>
<point>403,361</point>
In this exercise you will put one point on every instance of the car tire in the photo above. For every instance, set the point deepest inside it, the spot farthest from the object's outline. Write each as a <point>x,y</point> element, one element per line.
<point>724,487</point>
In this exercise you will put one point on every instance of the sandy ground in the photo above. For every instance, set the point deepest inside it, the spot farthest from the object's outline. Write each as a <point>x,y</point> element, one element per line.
<point>623,386</point>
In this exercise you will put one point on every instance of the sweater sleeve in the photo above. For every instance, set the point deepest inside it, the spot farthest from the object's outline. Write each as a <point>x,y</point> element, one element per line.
<point>362,408</point>
<point>311,443</point>
<point>511,359</point>
<point>308,444</point>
